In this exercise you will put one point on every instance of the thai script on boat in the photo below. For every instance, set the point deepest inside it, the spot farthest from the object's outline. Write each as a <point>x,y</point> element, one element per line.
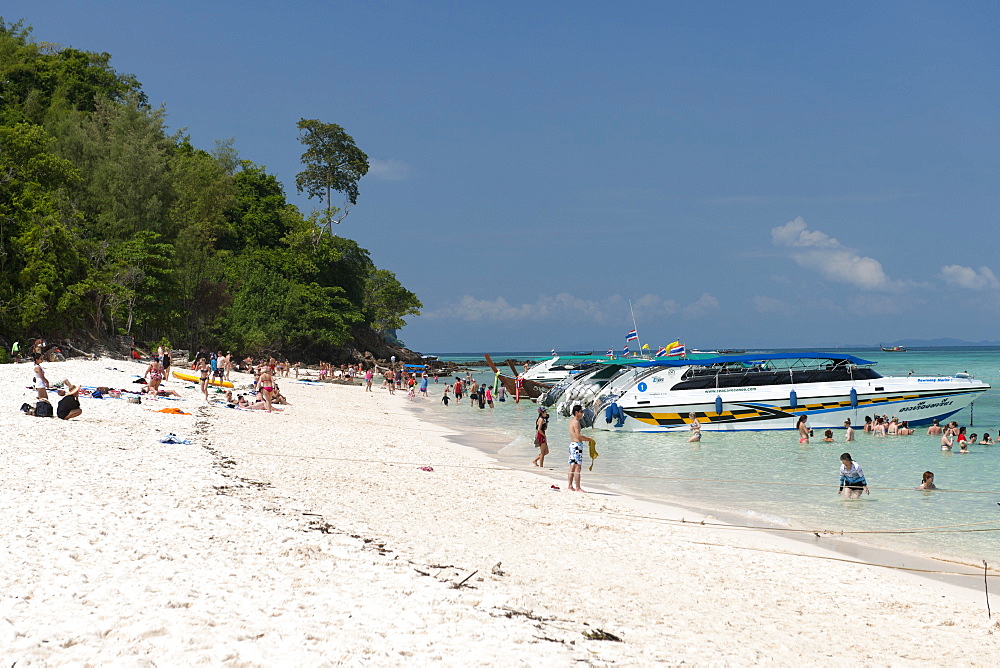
<point>923,404</point>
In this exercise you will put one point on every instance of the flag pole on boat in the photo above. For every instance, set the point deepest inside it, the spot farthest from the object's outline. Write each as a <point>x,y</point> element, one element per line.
<point>634,327</point>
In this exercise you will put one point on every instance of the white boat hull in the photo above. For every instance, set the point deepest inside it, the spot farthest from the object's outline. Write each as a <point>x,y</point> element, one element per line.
<point>827,405</point>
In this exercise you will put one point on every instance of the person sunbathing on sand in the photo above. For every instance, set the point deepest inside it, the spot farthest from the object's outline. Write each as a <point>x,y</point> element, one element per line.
<point>69,405</point>
<point>148,389</point>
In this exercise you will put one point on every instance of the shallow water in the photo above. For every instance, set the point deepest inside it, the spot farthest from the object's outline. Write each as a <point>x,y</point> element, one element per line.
<point>769,477</point>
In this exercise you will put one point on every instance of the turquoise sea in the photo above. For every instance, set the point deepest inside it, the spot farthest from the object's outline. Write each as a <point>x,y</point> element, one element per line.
<point>768,478</point>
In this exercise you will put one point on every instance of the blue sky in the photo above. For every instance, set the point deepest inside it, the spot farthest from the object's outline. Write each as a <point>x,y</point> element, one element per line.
<point>748,174</point>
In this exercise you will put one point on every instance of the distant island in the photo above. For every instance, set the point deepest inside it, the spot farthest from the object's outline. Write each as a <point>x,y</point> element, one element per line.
<point>939,343</point>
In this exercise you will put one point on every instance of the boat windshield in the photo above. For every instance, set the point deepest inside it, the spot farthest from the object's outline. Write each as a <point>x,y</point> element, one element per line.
<point>773,372</point>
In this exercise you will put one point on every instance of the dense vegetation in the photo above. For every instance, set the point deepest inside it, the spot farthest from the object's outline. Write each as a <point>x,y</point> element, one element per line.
<point>109,225</point>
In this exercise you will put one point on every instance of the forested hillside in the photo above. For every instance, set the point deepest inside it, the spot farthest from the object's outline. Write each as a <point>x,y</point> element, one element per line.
<point>109,225</point>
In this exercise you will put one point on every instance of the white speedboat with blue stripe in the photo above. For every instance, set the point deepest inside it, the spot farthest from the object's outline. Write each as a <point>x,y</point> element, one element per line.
<point>770,391</point>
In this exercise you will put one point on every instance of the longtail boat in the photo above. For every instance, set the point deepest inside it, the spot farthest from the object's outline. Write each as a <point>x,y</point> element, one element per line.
<point>517,386</point>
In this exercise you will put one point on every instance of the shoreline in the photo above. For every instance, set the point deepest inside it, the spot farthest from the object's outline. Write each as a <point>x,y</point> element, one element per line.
<point>313,536</point>
<point>957,572</point>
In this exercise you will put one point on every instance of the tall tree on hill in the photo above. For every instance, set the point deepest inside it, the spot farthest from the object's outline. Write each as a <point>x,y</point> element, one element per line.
<point>333,163</point>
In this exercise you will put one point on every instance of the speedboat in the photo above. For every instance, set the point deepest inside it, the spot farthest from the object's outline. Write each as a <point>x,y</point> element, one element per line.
<point>769,391</point>
<point>558,368</point>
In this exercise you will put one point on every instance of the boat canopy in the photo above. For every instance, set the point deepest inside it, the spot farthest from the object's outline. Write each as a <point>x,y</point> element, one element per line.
<point>803,359</point>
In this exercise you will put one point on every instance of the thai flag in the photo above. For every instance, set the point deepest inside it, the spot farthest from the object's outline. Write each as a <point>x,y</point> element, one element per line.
<point>611,352</point>
<point>632,336</point>
<point>661,352</point>
<point>625,351</point>
<point>677,350</point>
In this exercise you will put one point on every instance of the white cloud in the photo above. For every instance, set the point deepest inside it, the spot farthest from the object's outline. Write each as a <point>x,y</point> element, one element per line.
<point>566,307</point>
<point>765,304</point>
<point>472,309</point>
<point>967,277</point>
<point>834,260</point>
<point>388,170</point>
<point>705,305</point>
<point>797,233</point>
<point>653,306</point>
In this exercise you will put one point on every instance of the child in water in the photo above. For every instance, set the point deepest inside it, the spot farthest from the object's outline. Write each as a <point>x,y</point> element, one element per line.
<point>828,436</point>
<point>928,481</point>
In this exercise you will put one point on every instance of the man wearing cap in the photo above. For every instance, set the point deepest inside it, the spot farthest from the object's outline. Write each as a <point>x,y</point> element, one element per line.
<point>541,424</point>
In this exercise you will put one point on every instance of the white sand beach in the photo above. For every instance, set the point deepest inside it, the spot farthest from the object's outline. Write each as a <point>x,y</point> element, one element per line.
<point>312,537</point>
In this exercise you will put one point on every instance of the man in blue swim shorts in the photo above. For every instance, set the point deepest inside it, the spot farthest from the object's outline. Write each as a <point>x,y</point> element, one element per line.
<point>575,450</point>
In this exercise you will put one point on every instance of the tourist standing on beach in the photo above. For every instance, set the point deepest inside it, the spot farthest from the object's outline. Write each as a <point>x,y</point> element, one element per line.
<point>369,374</point>
<point>803,429</point>
<point>852,478</point>
<point>423,385</point>
<point>458,390</point>
<point>41,383</point>
<point>201,366</point>
<point>575,450</point>
<point>541,442</point>
<point>165,362</point>
<point>390,380</point>
<point>266,387</point>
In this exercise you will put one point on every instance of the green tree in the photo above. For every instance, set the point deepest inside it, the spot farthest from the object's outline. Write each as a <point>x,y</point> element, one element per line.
<point>332,163</point>
<point>387,302</point>
<point>39,262</point>
<point>39,79</point>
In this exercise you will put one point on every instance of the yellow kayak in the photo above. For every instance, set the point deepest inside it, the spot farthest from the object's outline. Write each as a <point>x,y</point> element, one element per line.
<point>195,378</point>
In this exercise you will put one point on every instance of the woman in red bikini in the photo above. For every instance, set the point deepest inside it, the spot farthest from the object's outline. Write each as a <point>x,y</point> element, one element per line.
<point>266,387</point>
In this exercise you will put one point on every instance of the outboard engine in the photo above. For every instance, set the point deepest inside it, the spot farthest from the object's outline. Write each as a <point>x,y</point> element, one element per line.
<point>587,419</point>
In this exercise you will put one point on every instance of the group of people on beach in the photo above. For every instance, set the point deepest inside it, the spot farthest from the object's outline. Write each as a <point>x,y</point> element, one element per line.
<point>480,394</point>
<point>69,402</point>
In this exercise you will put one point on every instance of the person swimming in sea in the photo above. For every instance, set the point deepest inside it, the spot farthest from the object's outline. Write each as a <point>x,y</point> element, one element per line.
<point>947,441</point>
<point>803,429</point>
<point>852,478</point>
<point>695,429</point>
<point>928,481</point>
